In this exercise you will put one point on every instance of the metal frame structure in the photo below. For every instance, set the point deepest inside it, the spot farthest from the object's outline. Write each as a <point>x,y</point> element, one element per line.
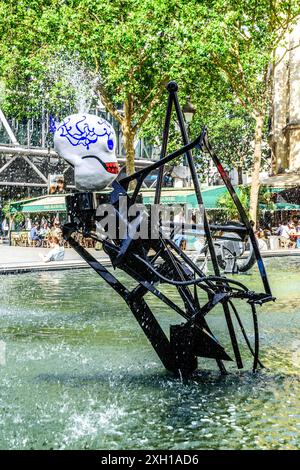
<point>159,261</point>
<point>41,162</point>
<point>36,163</point>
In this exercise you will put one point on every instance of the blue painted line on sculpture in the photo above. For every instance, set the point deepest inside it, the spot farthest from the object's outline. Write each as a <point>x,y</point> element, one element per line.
<point>82,134</point>
<point>261,267</point>
<point>52,124</point>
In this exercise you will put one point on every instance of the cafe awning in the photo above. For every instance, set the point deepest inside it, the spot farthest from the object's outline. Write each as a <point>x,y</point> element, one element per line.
<point>286,180</point>
<point>54,203</point>
<point>186,196</point>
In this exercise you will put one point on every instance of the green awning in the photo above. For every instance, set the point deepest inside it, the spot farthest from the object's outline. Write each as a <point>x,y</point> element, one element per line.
<point>186,196</point>
<point>281,206</point>
<point>54,203</point>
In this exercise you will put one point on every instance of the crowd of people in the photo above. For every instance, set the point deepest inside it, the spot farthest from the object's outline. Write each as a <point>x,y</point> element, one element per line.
<point>40,230</point>
<point>50,231</point>
<point>288,234</point>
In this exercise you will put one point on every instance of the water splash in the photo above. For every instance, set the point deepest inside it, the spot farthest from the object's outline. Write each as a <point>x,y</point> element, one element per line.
<point>2,92</point>
<point>70,73</point>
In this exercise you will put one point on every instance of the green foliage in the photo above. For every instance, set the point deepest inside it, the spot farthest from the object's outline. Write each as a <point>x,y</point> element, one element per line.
<point>5,210</point>
<point>219,51</point>
<point>238,44</point>
<point>266,198</point>
<point>133,47</point>
<point>226,202</point>
<point>19,218</point>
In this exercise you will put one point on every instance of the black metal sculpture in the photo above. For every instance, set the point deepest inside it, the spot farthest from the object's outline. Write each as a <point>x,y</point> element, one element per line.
<point>158,260</point>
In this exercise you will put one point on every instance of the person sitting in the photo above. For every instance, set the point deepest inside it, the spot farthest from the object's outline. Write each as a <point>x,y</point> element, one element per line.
<point>35,236</point>
<point>293,234</point>
<point>261,240</point>
<point>56,253</point>
<point>283,233</point>
<point>56,231</point>
<point>45,230</point>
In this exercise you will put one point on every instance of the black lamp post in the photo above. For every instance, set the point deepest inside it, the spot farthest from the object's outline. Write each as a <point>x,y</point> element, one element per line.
<point>188,110</point>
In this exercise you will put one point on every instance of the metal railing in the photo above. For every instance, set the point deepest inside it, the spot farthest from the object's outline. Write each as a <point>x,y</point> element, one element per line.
<point>34,132</point>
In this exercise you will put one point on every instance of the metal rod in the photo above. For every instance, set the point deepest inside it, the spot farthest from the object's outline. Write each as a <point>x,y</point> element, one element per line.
<point>243,331</point>
<point>39,152</point>
<point>8,129</point>
<point>206,224</point>
<point>163,152</point>
<point>241,211</point>
<point>138,306</point>
<point>256,338</point>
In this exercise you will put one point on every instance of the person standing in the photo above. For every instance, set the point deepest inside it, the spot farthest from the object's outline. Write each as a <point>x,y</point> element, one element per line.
<point>179,237</point>
<point>297,230</point>
<point>28,224</point>
<point>5,227</point>
<point>283,233</point>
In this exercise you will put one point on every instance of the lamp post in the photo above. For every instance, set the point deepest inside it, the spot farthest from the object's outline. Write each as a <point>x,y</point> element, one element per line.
<point>188,110</point>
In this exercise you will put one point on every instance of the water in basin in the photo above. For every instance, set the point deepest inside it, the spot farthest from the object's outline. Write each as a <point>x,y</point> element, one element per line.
<point>77,372</point>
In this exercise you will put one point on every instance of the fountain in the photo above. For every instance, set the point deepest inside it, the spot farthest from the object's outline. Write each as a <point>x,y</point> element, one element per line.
<point>88,143</point>
<point>76,373</point>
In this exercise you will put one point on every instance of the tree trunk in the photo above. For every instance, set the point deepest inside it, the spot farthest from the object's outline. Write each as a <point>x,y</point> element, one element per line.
<point>129,136</point>
<point>256,167</point>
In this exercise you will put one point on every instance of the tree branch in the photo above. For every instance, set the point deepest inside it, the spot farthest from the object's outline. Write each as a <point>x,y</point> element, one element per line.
<point>108,103</point>
<point>151,105</point>
<point>285,52</point>
<point>238,91</point>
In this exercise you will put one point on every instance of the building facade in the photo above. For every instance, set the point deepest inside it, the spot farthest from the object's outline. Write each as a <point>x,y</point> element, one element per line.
<point>285,134</point>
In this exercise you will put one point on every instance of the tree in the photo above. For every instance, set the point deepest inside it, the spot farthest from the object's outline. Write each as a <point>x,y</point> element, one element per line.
<point>134,48</point>
<point>239,41</point>
<point>225,202</point>
<point>219,48</point>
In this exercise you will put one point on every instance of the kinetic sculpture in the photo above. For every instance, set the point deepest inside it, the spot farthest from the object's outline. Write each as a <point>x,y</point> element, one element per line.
<point>88,143</point>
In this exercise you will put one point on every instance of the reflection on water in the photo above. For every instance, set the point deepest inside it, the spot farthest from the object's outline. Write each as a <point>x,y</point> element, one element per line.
<point>79,373</point>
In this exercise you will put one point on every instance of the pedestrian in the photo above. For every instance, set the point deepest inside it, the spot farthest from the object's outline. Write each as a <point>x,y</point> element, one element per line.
<point>283,233</point>
<point>5,227</point>
<point>297,230</point>
<point>179,237</point>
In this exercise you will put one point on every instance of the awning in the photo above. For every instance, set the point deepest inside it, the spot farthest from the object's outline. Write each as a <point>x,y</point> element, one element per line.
<point>286,180</point>
<point>55,203</point>
<point>186,196</point>
<point>281,206</point>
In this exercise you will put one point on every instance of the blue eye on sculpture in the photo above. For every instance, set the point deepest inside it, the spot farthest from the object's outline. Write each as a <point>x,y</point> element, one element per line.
<point>87,142</point>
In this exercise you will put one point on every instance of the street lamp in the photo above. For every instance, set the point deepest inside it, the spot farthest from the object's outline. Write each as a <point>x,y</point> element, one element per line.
<point>188,111</point>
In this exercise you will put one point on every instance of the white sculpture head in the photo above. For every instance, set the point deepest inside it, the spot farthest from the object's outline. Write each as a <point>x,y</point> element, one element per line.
<point>88,143</point>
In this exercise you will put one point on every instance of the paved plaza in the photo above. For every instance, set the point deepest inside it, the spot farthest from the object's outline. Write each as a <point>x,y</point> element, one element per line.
<point>15,259</point>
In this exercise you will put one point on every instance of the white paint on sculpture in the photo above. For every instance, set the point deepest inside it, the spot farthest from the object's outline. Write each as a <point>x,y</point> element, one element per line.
<point>88,143</point>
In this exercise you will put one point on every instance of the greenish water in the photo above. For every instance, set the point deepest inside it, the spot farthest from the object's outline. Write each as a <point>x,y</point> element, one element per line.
<point>79,373</point>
